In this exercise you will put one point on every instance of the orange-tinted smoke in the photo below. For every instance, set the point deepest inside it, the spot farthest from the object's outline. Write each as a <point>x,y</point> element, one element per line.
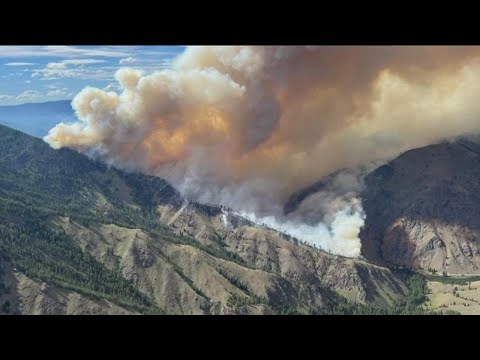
<point>266,121</point>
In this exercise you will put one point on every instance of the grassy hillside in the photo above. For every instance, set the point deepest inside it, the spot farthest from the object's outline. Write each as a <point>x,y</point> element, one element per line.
<point>77,236</point>
<point>38,184</point>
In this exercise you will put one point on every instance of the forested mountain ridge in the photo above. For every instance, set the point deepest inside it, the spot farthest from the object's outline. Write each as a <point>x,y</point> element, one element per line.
<point>77,236</point>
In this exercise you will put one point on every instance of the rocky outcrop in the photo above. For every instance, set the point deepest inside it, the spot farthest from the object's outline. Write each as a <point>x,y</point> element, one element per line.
<point>423,210</point>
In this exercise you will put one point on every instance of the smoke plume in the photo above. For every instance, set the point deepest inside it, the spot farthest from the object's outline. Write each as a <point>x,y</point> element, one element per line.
<point>248,126</point>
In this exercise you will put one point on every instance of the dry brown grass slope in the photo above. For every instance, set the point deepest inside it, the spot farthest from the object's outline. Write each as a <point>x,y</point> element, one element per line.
<point>273,272</point>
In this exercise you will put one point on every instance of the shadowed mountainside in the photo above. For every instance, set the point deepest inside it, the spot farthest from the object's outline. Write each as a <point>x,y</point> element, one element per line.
<point>423,209</point>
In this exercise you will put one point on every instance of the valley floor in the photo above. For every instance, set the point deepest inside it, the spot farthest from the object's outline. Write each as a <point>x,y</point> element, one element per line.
<point>462,297</point>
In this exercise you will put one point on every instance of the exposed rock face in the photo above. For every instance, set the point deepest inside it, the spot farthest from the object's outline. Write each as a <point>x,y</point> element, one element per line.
<point>423,210</point>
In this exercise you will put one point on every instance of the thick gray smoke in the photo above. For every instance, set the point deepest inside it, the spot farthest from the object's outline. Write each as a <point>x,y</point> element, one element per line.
<point>248,126</point>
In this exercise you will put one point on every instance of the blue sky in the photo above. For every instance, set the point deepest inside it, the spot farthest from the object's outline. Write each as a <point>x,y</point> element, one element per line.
<point>49,73</point>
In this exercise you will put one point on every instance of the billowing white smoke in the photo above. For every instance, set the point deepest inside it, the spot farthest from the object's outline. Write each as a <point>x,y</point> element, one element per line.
<point>248,126</point>
<point>336,233</point>
<point>330,218</point>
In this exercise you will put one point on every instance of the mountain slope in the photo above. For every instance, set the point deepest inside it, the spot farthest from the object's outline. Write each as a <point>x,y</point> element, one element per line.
<point>423,210</point>
<point>37,119</point>
<point>79,237</point>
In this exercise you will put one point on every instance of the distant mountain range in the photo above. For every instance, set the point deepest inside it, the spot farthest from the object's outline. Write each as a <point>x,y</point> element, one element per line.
<point>37,119</point>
